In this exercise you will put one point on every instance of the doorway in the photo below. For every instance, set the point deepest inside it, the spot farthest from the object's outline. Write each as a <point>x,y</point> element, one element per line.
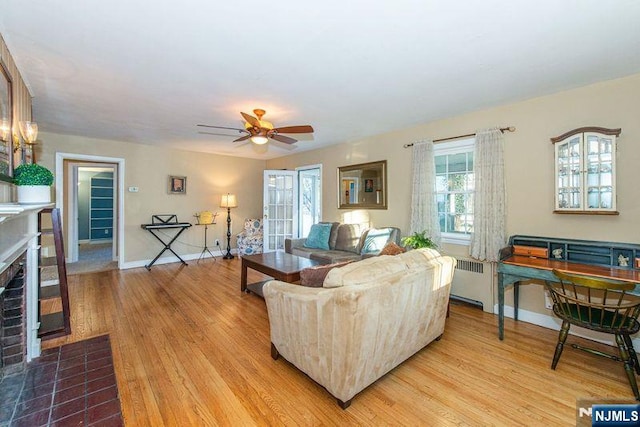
<point>94,211</point>
<point>89,194</point>
<point>292,203</point>
<point>280,208</point>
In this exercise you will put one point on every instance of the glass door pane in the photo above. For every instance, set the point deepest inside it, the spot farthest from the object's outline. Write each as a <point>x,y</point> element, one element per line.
<point>599,171</point>
<point>309,205</point>
<point>569,174</point>
<point>279,208</point>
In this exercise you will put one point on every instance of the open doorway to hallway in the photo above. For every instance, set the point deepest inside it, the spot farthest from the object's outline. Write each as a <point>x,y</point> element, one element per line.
<point>89,194</point>
<point>95,212</point>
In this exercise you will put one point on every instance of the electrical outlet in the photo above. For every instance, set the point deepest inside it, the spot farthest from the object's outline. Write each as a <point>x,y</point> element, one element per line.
<point>548,303</point>
<point>217,242</point>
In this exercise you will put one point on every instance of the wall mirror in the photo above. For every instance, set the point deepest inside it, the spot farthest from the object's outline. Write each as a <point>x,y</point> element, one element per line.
<point>6,123</point>
<point>363,186</point>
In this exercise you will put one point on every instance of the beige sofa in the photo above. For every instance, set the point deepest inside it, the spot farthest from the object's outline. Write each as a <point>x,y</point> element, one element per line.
<point>346,242</point>
<point>368,317</point>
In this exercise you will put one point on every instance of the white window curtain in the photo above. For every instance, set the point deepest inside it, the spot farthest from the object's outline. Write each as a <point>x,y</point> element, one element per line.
<point>424,210</point>
<point>489,207</point>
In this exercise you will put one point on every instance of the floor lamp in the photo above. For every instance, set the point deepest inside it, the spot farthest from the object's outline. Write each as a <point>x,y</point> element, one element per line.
<point>228,201</point>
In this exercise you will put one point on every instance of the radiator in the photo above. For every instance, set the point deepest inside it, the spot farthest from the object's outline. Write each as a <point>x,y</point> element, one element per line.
<point>473,282</point>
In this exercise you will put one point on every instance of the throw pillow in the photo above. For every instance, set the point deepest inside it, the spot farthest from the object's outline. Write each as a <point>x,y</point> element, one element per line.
<point>318,237</point>
<point>314,276</point>
<point>348,237</point>
<point>375,240</point>
<point>392,249</point>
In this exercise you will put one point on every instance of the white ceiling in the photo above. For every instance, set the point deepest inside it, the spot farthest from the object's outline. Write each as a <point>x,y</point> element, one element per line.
<point>148,71</point>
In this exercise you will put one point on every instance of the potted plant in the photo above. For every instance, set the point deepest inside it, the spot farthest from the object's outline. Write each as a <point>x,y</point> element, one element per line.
<point>419,240</point>
<point>34,182</point>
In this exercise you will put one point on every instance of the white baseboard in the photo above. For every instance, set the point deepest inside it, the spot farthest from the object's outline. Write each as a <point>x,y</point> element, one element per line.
<point>171,258</point>
<point>552,322</point>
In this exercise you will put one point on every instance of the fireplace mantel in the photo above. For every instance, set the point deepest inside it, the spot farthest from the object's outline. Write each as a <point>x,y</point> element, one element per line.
<point>19,234</point>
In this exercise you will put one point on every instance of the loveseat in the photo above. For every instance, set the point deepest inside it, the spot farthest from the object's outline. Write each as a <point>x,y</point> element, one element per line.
<point>345,242</point>
<point>369,316</point>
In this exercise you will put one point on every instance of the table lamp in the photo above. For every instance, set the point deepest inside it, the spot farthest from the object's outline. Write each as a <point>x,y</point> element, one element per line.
<point>228,201</point>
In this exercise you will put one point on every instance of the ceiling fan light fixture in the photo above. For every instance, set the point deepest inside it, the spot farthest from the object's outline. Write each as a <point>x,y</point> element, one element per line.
<point>259,139</point>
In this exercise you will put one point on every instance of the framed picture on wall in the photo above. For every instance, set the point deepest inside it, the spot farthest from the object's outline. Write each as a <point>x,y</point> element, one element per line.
<point>6,122</point>
<point>368,186</point>
<point>177,184</point>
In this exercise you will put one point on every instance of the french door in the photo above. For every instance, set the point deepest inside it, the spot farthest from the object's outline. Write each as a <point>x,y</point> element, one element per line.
<point>310,198</point>
<point>280,208</point>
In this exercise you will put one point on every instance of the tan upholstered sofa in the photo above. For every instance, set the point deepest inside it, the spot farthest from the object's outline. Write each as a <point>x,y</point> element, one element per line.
<point>368,317</point>
<point>346,242</point>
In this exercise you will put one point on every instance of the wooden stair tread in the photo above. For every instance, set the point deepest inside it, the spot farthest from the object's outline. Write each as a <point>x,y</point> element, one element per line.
<point>48,262</point>
<point>48,292</point>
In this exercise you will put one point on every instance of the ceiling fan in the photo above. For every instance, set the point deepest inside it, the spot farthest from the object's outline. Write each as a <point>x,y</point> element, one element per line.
<point>260,131</point>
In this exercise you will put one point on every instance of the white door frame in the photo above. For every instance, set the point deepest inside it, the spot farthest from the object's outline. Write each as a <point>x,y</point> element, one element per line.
<point>72,206</point>
<point>298,170</point>
<point>60,158</point>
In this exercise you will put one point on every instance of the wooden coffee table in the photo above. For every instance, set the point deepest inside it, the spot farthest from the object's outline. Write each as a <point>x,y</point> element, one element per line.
<point>279,265</point>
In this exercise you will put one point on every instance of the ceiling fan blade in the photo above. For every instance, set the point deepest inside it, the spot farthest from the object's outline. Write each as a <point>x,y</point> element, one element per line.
<point>251,120</point>
<point>242,138</point>
<point>283,138</point>
<point>295,129</point>
<point>214,133</point>
<point>222,127</point>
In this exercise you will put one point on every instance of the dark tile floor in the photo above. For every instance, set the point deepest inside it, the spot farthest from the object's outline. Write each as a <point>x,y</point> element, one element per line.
<point>71,385</point>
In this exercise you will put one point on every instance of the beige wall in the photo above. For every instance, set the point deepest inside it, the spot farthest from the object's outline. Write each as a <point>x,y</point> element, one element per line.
<point>147,167</point>
<point>529,164</point>
<point>21,110</point>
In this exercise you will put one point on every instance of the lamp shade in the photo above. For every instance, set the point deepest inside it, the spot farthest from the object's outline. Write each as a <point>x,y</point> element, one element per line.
<point>29,131</point>
<point>228,201</point>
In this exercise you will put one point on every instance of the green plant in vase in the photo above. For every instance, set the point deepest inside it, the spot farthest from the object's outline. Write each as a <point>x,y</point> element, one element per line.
<point>32,174</point>
<point>419,240</point>
<point>34,183</point>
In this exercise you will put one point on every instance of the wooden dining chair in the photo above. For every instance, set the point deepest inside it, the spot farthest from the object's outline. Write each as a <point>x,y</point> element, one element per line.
<point>599,305</point>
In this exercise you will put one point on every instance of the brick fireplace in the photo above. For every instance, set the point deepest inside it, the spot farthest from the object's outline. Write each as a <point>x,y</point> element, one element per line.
<point>19,341</point>
<point>13,348</point>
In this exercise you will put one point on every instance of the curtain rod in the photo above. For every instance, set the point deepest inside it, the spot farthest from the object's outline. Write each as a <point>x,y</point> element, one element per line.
<point>435,141</point>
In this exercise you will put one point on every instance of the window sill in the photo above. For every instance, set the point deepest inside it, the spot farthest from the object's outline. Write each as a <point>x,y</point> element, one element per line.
<point>456,240</point>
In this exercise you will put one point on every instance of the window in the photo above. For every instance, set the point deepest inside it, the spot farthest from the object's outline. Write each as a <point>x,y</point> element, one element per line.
<point>455,184</point>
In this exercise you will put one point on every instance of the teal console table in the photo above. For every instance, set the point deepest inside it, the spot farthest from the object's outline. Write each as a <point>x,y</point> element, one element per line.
<point>608,260</point>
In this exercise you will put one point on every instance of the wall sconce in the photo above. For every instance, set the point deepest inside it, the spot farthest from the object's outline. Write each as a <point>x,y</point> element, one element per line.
<point>29,132</point>
<point>17,142</point>
<point>5,130</point>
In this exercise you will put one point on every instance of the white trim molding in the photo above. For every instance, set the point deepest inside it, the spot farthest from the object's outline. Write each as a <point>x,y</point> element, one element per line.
<point>59,164</point>
<point>553,322</point>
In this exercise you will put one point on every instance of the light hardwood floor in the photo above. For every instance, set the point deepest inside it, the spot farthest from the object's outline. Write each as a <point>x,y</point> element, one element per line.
<point>190,349</point>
